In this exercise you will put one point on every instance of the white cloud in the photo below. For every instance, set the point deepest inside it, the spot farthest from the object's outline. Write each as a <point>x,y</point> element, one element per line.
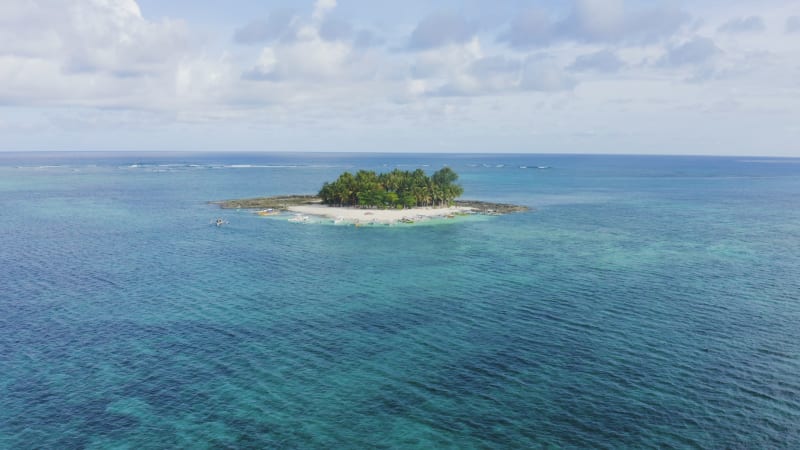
<point>307,57</point>
<point>457,70</point>
<point>601,61</point>
<point>441,29</point>
<point>749,24</point>
<point>88,52</point>
<point>322,8</point>
<point>336,30</point>
<point>465,71</point>
<point>544,74</point>
<point>265,68</point>
<point>600,19</point>
<point>596,65</point>
<point>278,25</point>
<point>595,21</point>
<point>697,51</point>
<point>793,24</point>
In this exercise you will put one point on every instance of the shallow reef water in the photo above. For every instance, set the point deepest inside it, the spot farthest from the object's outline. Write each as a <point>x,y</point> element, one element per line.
<point>644,302</point>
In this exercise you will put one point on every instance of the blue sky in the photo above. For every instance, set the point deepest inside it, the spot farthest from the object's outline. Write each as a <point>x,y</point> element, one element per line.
<point>586,76</point>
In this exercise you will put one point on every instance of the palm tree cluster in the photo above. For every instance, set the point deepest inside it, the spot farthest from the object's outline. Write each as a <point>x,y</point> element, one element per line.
<point>395,189</point>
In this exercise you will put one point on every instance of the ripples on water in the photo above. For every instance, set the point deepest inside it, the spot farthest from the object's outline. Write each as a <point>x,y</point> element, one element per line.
<point>648,302</point>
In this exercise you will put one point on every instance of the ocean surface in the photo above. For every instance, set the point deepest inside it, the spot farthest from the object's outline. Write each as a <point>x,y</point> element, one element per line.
<point>646,302</point>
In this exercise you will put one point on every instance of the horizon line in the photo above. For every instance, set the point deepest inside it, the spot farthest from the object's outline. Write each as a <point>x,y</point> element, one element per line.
<point>358,152</point>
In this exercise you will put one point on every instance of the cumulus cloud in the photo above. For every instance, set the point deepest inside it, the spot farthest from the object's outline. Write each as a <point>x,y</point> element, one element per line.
<point>532,27</point>
<point>336,30</point>
<point>321,50</point>
<point>793,24</point>
<point>306,60</point>
<point>542,73</point>
<point>319,66</point>
<point>624,25</point>
<point>322,8</point>
<point>602,61</point>
<point>482,76</point>
<point>318,71</point>
<point>265,68</point>
<point>491,66</point>
<point>463,71</point>
<point>93,51</point>
<point>743,25</point>
<point>279,25</point>
<point>445,61</point>
<point>324,54</point>
<point>287,26</point>
<point>112,36</point>
<point>441,29</point>
<point>594,21</point>
<point>699,50</point>
<point>366,38</point>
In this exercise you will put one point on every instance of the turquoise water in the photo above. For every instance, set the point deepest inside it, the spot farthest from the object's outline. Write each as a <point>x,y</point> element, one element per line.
<point>646,302</point>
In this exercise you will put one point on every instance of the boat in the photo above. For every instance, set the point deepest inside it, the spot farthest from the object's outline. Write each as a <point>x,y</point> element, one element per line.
<point>267,212</point>
<point>220,222</point>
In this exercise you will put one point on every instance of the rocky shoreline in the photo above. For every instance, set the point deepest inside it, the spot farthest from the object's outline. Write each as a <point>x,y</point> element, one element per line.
<point>279,203</point>
<point>490,207</point>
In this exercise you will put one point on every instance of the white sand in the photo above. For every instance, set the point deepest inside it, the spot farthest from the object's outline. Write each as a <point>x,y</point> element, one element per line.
<point>380,216</point>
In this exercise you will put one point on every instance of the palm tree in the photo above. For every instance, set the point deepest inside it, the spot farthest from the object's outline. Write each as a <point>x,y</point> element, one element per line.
<point>395,189</point>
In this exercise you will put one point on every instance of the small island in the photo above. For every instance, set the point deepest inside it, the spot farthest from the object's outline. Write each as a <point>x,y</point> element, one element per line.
<point>371,198</point>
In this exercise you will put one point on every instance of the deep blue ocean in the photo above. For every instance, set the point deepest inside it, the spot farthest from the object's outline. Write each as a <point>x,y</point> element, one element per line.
<point>645,302</point>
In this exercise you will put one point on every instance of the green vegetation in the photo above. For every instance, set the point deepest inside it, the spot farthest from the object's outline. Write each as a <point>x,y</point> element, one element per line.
<point>395,189</point>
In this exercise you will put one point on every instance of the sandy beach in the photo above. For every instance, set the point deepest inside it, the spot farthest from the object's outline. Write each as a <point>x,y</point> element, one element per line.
<point>378,216</point>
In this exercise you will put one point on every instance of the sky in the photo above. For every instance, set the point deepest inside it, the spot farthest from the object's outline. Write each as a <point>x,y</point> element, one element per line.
<point>506,76</point>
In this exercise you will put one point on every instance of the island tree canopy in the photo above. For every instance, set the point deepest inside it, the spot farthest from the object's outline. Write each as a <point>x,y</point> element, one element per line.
<point>395,189</point>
